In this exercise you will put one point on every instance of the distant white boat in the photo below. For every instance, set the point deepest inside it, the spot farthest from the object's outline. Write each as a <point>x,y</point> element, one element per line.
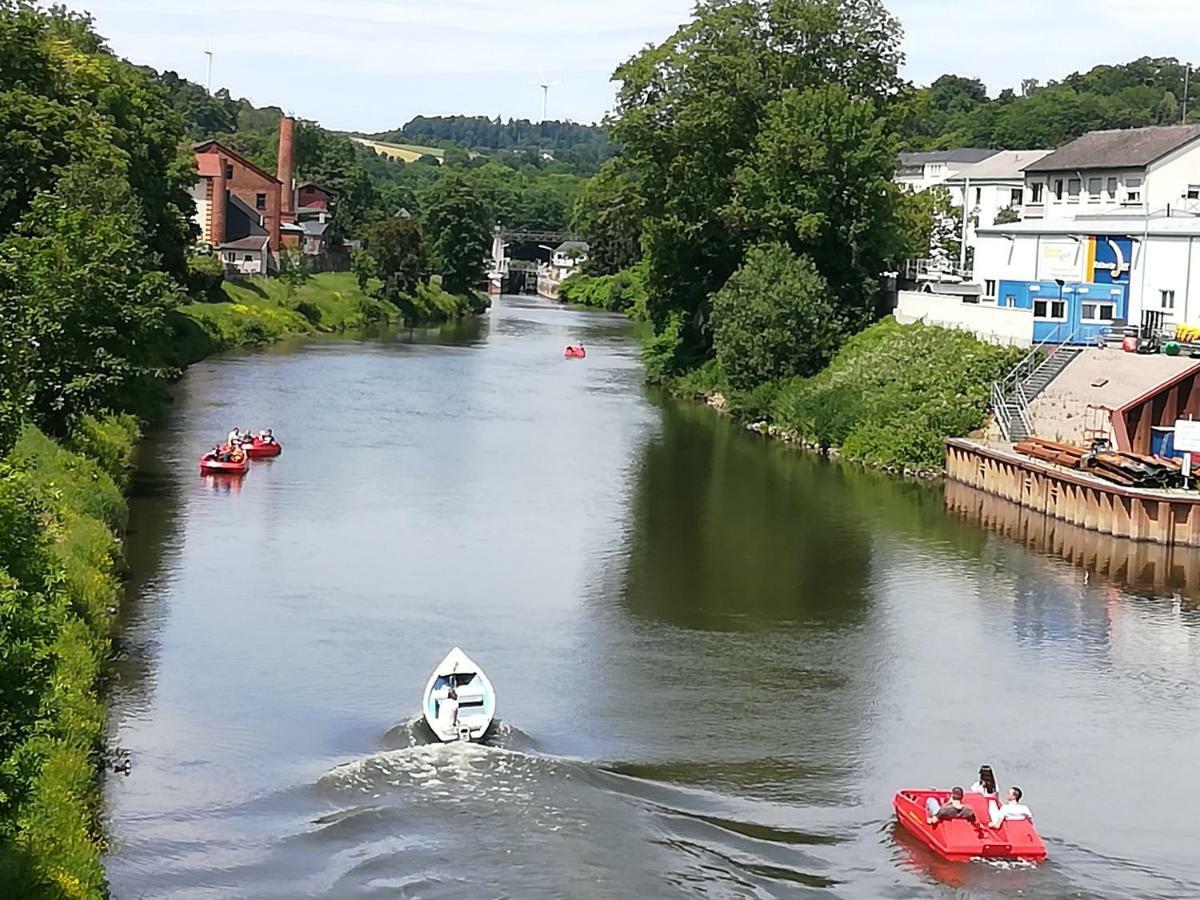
<point>476,699</point>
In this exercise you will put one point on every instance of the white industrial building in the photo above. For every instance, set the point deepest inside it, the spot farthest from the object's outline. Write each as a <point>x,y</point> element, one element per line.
<point>1109,231</point>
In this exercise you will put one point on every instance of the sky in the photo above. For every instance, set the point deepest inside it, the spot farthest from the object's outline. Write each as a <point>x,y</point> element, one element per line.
<point>370,65</point>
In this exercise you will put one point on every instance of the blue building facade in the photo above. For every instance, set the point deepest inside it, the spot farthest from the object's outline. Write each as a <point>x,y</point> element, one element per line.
<point>1075,313</point>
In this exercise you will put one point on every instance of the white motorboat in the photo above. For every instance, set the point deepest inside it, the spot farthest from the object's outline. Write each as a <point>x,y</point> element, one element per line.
<point>476,706</point>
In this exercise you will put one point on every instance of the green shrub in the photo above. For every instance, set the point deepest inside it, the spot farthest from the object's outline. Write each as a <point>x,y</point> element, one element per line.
<point>310,311</point>
<point>624,291</point>
<point>893,392</point>
<point>774,318</point>
<point>205,273</point>
<point>110,441</point>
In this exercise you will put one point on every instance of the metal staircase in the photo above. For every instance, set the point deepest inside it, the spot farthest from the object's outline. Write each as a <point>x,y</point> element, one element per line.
<point>1028,378</point>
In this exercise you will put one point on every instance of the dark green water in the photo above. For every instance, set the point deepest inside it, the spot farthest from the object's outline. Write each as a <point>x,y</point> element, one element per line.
<point>716,659</point>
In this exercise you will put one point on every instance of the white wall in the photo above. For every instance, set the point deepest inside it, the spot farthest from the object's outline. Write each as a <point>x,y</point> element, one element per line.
<point>1169,179</point>
<point>997,325</point>
<point>199,193</point>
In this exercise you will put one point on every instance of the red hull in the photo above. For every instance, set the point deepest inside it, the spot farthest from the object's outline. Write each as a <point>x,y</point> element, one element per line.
<point>574,353</point>
<point>959,840</point>
<point>261,450</point>
<point>210,466</point>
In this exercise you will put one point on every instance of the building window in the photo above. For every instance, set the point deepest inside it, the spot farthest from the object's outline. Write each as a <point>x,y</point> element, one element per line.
<point>1094,185</point>
<point>1112,189</point>
<point>228,171</point>
<point>989,287</point>
<point>260,201</point>
<point>978,196</point>
<point>1133,190</point>
<point>1193,192</point>
<point>248,258</point>
<point>1017,196</point>
<point>1074,185</point>
<point>1010,300</point>
<point>1098,312</point>
<point>1035,192</point>
<point>1058,188</point>
<point>1168,299</point>
<point>231,257</point>
<point>1050,309</point>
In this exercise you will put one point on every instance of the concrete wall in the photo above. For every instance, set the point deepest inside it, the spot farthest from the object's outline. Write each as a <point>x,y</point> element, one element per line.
<point>988,322</point>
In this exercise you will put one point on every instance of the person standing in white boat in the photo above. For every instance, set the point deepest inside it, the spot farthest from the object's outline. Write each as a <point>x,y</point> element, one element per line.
<point>449,707</point>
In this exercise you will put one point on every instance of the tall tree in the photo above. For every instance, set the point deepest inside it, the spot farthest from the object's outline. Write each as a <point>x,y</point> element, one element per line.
<point>397,249</point>
<point>688,112</point>
<point>608,214</point>
<point>458,223</point>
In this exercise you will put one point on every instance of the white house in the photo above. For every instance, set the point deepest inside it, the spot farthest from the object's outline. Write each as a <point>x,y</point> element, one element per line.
<point>921,171</point>
<point>567,259</point>
<point>1135,171</point>
<point>986,188</point>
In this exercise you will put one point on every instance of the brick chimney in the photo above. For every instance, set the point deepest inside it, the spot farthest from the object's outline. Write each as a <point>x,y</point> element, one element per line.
<point>216,216</point>
<point>287,153</point>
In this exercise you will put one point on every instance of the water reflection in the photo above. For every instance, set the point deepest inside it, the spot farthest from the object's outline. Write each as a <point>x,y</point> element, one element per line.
<point>1138,565</point>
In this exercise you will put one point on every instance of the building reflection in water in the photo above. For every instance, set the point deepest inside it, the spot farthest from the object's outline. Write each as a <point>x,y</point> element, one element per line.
<point>1138,566</point>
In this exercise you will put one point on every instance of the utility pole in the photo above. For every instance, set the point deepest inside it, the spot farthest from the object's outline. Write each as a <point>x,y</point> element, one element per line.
<point>962,248</point>
<point>1187,77</point>
<point>208,83</point>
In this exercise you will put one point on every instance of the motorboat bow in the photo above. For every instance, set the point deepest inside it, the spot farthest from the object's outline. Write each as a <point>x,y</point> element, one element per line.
<point>476,699</point>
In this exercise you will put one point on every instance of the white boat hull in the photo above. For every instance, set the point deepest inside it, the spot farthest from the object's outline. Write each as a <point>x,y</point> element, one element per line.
<point>476,700</point>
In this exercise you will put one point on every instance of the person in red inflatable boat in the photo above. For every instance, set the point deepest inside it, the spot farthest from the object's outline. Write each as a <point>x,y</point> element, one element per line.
<point>954,808</point>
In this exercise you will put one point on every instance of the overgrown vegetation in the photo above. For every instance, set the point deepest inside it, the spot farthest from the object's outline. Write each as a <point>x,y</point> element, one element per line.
<point>60,514</point>
<point>624,291</point>
<point>888,397</point>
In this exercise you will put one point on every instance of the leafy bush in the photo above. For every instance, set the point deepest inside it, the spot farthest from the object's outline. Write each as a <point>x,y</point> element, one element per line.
<point>623,292</point>
<point>310,311</point>
<point>110,441</point>
<point>893,392</point>
<point>206,274</point>
<point>773,318</point>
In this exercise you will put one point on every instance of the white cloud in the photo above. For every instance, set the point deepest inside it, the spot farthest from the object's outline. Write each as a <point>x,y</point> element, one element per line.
<point>371,64</point>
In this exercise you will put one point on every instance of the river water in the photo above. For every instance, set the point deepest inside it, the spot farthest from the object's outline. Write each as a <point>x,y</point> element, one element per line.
<point>716,658</point>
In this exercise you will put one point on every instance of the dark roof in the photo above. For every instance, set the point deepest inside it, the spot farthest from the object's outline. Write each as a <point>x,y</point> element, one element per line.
<point>314,228</point>
<point>254,242</point>
<point>319,187</point>
<point>1120,149</point>
<point>960,155</point>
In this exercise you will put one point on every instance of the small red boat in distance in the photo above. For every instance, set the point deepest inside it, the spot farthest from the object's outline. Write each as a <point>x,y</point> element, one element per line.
<point>960,840</point>
<point>260,449</point>
<point>575,352</point>
<point>237,464</point>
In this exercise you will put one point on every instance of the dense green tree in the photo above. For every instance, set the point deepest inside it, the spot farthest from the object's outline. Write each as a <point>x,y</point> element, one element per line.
<point>94,300</point>
<point>774,318</point>
<point>687,118</point>
<point>819,178</point>
<point>397,256</point>
<point>608,213</point>
<point>458,223</point>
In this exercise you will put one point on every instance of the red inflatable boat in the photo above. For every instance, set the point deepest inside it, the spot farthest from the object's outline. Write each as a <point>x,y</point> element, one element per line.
<point>957,839</point>
<point>574,353</point>
<point>238,465</point>
<point>260,449</point>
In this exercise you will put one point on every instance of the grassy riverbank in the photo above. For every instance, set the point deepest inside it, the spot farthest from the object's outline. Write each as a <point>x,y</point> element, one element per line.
<point>261,310</point>
<point>888,397</point>
<point>61,513</point>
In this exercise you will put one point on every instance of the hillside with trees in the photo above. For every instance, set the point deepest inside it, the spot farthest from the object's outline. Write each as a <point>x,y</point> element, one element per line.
<point>582,147</point>
<point>956,111</point>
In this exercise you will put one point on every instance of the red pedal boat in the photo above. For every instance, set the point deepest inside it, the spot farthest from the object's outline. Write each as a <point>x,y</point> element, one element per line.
<point>239,464</point>
<point>575,353</point>
<point>957,839</point>
<point>260,449</point>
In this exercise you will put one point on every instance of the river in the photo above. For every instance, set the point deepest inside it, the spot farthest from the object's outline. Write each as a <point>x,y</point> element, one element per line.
<point>716,658</point>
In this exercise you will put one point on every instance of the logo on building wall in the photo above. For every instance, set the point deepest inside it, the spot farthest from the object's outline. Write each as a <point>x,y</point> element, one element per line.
<point>1109,260</point>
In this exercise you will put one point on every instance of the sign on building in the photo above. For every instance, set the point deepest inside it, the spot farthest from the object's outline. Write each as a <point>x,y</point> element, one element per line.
<point>1187,435</point>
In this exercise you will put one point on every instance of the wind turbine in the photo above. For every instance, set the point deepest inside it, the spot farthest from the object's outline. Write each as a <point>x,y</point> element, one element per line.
<point>209,54</point>
<point>545,86</point>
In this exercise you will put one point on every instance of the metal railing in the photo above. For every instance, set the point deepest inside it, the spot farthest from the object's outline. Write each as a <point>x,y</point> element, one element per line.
<point>1010,390</point>
<point>933,270</point>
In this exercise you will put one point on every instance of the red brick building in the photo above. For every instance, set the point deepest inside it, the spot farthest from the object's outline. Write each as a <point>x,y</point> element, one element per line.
<point>311,195</point>
<point>244,212</point>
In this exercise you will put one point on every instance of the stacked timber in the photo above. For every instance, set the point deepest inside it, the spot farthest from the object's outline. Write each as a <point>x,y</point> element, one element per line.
<point>1127,469</point>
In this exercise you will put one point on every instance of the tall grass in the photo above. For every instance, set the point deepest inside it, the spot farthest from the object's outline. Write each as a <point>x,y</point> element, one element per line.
<point>61,512</point>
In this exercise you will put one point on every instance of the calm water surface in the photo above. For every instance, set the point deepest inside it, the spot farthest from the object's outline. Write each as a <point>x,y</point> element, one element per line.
<point>716,658</point>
